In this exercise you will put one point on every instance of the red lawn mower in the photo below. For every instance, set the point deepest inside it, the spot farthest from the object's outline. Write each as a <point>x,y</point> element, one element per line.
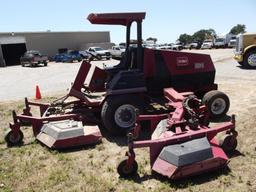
<point>113,94</point>
<point>182,143</point>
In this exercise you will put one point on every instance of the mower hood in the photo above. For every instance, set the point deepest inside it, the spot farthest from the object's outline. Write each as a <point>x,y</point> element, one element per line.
<point>115,18</point>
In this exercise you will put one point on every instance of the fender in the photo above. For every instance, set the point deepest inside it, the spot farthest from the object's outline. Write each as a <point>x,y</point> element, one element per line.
<point>253,46</point>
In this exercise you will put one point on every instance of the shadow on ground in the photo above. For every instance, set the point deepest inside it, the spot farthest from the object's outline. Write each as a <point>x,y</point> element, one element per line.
<point>245,68</point>
<point>185,182</point>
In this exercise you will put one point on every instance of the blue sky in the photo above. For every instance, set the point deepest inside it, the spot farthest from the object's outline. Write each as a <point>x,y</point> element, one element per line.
<point>165,19</point>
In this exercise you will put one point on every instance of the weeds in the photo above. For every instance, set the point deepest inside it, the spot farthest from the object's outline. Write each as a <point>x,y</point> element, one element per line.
<point>33,167</point>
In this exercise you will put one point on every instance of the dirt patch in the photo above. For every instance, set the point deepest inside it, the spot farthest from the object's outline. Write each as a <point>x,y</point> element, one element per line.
<point>33,167</point>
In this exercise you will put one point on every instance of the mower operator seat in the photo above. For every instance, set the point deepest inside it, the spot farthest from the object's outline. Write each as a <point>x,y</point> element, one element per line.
<point>129,60</point>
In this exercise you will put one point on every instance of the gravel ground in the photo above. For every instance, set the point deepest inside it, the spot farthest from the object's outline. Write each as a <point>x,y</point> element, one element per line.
<point>18,82</point>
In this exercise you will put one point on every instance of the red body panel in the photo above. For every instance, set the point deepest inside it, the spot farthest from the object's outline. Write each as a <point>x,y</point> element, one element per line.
<point>149,63</point>
<point>115,18</point>
<point>166,169</point>
<point>177,63</point>
<point>92,136</point>
<point>91,77</point>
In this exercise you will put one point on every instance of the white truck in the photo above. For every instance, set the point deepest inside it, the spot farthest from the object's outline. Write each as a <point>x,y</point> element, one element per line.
<point>117,51</point>
<point>230,40</point>
<point>224,41</point>
<point>99,53</point>
<point>207,44</point>
<point>220,42</point>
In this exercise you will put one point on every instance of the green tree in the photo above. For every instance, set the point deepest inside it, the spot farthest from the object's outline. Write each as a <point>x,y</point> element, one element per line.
<point>211,33</point>
<point>185,39</point>
<point>199,35</point>
<point>203,34</point>
<point>239,28</point>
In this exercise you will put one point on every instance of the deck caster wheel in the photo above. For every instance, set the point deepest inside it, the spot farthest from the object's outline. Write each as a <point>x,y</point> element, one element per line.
<point>228,143</point>
<point>126,171</point>
<point>11,140</point>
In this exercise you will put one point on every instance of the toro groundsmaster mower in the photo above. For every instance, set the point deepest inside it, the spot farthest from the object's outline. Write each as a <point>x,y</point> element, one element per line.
<point>112,94</point>
<point>182,143</point>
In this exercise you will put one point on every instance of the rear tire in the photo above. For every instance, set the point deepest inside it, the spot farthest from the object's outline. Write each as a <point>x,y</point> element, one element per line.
<point>45,63</point>
<point>217,103</point>
<point>118,113</point>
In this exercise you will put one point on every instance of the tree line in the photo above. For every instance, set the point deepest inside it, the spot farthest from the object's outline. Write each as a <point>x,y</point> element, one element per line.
<point>203,34</point>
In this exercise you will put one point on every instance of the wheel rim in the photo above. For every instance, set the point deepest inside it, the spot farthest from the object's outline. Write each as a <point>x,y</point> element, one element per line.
<point>252,60</point>
<point>14,139</point>
<point>125,116</point>
<point>218,106</point>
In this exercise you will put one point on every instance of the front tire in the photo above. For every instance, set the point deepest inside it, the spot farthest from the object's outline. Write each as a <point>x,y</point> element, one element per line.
<point>217,103</point>
<point>118,113</point>
<point>250,59</point>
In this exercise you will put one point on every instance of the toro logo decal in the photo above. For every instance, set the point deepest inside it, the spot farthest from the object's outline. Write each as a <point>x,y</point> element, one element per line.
<point>182,61</point>
<point>199,65</point>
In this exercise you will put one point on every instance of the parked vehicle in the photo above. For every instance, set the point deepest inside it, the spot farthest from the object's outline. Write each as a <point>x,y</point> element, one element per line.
<point>122,44</point>
<point>194,45</point>
<point>245,53</point>
<point>69,57</point>
<point>207,44</point>
<point>85,54</point>
<point>165,47</point>
<point>33,58</point>
<point>220,43</point>
<point>177,47</point>
<point>232,42</point>
<point>117,51</point>
<point>100,53</point>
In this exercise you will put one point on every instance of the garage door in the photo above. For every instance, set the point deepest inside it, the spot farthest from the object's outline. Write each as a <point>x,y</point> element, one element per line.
<point>13,52</point>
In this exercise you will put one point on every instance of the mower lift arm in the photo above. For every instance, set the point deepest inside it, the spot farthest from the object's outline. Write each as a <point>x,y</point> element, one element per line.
<point>42,106</point>
<point>36,122</point>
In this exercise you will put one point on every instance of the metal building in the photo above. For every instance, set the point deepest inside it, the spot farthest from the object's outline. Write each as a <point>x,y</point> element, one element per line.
<point>13,45</point>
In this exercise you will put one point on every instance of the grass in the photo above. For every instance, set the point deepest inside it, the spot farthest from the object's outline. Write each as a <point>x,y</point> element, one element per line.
<point>33,167</point>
